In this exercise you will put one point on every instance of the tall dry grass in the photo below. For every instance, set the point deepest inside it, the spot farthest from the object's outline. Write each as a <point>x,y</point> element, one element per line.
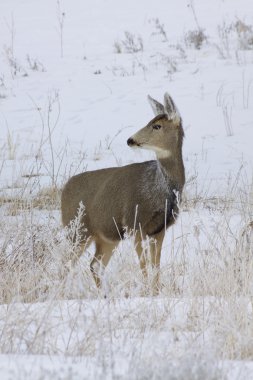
<point>205,299</point>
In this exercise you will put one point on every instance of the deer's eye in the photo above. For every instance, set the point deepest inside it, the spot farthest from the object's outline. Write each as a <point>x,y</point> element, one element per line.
<point>156,126</point>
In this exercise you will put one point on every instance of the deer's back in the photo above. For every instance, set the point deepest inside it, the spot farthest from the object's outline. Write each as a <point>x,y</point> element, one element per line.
<point>116,198</point>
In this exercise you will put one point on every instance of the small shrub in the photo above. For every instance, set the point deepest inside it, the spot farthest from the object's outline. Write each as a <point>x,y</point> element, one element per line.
<point>160,30</point>
<point>170,64</point>
<point>15,67</point>
<point>34,64</point>
<point>195,38</point>
<point>130,44</point>
<point>182,52</point>
<point>224,47</point>
<point>236,35</point>
<point>244,35</point>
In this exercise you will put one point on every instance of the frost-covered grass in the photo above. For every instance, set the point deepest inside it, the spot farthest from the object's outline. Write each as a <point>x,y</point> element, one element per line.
<point>73,84</point>
<point>203,313</point>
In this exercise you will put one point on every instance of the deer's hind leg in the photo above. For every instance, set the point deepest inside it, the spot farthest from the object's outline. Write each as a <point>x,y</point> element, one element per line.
<point>104,251</point>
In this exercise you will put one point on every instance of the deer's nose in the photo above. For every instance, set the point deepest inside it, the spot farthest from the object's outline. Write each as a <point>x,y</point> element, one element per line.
<point>130,141</point>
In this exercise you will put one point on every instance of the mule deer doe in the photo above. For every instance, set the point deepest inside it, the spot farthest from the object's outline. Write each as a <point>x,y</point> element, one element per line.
<point>143,197</point>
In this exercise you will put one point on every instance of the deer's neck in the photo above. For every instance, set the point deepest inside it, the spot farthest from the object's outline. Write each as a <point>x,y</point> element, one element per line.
<point>172,168</point>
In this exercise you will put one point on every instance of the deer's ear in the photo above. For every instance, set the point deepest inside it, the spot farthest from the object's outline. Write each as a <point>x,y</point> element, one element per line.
<point>157,107</point>
<point>171,109</point>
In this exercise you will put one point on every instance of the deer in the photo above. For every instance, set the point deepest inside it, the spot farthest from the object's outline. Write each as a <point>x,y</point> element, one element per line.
<point>141,197</point>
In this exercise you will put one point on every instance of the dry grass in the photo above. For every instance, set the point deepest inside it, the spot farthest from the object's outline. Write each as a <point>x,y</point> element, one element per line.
<point>205,299</point>
<point>45,199</point>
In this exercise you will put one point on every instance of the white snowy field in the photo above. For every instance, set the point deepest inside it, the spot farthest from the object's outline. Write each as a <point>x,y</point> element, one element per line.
<point>74,80</point>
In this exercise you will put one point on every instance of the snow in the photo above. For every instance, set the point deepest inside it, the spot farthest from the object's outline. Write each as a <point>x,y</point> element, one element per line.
<point>63,111</point>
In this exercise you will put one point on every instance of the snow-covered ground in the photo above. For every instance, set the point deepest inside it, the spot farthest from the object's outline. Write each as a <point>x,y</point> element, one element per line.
<point>74,80</point>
